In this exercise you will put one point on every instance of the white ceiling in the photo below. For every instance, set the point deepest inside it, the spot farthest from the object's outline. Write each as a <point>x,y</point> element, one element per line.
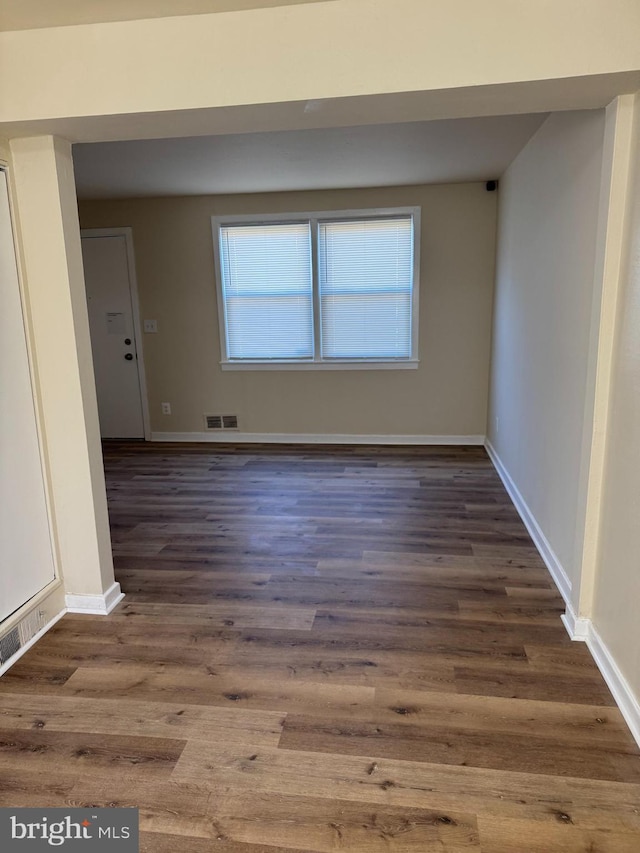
<point>451,150</point>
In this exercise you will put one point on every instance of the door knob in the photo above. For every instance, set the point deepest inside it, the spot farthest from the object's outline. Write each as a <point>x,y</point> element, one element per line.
<point>129,356</point>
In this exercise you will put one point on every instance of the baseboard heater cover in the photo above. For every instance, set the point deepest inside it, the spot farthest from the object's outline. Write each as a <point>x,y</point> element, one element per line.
<point>19,635</point>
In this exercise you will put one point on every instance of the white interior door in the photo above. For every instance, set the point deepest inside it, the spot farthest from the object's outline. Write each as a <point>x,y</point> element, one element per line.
<point>26,555</point>
<point>113,339</point>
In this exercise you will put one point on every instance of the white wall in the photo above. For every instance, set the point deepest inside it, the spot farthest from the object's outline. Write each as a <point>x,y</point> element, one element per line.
<point>497,56</point>
<point>548,221</point>
<point>616,605</point>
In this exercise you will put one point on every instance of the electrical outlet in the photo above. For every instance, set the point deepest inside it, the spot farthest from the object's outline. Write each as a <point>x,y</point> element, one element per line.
<point>166,408</point>
<point>150,326</point>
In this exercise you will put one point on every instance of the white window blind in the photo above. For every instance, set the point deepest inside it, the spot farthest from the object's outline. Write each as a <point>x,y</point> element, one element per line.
<point>365,285</point>
<point>332,289</point>
<point>267,290</point>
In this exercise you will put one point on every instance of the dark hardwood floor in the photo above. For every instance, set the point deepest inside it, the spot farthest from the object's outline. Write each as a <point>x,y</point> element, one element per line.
<point>321,649</point>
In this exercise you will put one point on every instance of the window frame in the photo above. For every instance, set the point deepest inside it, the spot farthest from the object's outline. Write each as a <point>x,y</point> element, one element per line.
<point>314,217</point>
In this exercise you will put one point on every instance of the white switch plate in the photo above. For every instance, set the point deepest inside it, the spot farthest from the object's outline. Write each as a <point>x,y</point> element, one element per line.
<point>150,326</point>
<point>166,408</point>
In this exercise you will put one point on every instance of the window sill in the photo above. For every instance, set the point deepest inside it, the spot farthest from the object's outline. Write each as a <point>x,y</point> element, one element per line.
<point>347,364</point>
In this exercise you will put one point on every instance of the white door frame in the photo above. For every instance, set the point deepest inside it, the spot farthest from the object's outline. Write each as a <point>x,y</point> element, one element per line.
<point>127,233</point>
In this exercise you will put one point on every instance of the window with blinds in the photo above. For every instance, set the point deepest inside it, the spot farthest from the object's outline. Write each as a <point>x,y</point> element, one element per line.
<point>318,289</point>
<point>365,282</point>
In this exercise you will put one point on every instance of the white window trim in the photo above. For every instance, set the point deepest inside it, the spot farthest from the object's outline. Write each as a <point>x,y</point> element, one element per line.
<point>317,363</point>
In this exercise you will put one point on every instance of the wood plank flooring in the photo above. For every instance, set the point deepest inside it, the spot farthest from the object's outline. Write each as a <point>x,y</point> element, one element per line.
<point>321,649</point>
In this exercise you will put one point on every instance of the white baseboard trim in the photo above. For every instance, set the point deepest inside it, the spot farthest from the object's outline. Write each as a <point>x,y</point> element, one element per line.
<point>97,605</point>
<point>626,701</point>
<point>581,628</point>
<point>541,542</point>
<point>16,657</point>
<point>577,626</point>
<point>230,437</point>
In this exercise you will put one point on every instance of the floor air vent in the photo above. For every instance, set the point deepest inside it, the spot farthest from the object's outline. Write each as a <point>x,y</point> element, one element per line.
<point>18,636</point>
<point>213,421</point>
<point>221,421</point>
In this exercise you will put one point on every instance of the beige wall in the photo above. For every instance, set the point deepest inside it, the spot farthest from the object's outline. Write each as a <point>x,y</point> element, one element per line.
<point>617,592</point>
<point>547,230</point>
<point>446,395</point>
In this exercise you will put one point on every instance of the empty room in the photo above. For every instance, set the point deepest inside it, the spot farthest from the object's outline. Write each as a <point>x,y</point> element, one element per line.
<point>319,448</point>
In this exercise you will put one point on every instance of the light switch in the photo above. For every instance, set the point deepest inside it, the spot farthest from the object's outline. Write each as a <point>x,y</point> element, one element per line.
<point>150,326</point>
